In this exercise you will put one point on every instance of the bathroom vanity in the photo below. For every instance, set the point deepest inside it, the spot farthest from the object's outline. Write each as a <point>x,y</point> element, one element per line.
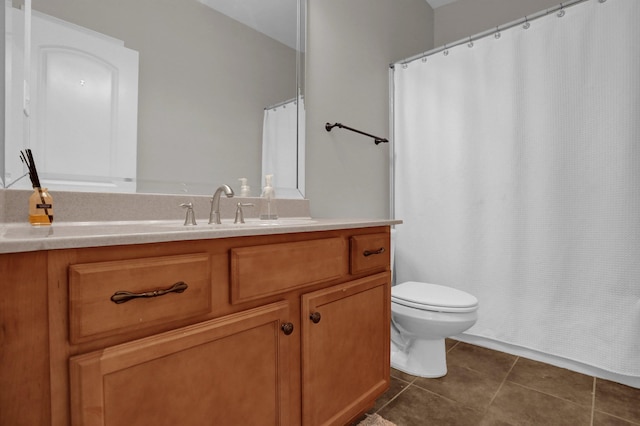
<point>255,325</point>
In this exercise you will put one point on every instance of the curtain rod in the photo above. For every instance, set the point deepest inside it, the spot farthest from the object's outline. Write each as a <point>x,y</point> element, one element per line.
<point>559,8</point>
<point>279,104</point>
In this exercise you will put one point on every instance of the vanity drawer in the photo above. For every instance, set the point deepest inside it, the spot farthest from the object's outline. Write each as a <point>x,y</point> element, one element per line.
<point>149,291</point>
<point>261,271</point>
<point>369,252</point>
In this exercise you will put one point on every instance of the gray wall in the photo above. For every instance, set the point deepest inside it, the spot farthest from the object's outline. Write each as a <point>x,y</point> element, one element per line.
<point>2,93</point>
<point>204,81</point>
<point>465,18</point>
<point>350,46</point>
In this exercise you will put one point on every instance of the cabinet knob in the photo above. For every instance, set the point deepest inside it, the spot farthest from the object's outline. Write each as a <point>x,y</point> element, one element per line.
<point>287,328</point>
<point>315,317</point>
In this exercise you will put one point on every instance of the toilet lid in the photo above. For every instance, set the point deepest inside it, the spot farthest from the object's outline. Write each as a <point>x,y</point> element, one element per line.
<point>433,297</point>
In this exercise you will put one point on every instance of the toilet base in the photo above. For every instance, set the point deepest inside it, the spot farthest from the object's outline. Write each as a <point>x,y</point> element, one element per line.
<point>422,358</point>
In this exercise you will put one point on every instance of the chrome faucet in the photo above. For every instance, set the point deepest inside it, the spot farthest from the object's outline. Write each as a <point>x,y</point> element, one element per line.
<point>214,215</point>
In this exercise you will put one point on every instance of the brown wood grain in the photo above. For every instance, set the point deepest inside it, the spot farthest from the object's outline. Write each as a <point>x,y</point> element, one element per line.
<point>259,271</point>
<point>345,356</point>
<point>24,340</point>
<point>91,286</point>
<point>221,347</point>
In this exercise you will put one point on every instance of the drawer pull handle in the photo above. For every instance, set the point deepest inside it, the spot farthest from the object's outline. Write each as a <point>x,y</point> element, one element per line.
<point>287,328</point>
<point>370,252</point>
<point>125,296</point>
<point>315,317</point>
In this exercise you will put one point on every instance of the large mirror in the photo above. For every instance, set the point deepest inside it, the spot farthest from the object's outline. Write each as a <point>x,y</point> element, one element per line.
<point>156,96</point>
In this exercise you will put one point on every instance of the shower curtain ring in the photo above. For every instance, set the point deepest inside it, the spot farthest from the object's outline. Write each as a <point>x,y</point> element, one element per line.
<point>470,44</point>
<point>497,34</point>
<point>445,52</point>
<point>560,14</point>
<point>526,23</point>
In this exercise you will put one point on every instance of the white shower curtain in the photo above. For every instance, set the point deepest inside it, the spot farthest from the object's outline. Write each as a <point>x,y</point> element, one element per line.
<point>282,152</point>
<point>517,176</point>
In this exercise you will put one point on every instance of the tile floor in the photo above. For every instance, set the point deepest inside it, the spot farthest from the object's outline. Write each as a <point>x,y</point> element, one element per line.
<point>486,387</point>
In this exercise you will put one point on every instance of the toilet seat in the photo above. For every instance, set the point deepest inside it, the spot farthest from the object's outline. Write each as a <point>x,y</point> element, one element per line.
<point>433,297</point>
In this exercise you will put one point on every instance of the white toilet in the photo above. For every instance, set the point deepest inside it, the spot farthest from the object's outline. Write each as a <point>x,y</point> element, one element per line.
<point>422,316</point>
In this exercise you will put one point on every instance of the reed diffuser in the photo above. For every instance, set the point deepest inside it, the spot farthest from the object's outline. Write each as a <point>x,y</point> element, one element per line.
<point>40,202</point>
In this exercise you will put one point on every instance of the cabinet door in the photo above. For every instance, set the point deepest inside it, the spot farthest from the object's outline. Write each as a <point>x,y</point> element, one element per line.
<point>228,371</point>
<point>345,349</point>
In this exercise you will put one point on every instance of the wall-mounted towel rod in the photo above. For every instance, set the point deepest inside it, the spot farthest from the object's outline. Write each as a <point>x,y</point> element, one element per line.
<point>376,139</point>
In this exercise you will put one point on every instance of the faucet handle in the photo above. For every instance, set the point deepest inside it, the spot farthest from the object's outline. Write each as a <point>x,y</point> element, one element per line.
<point>240,212</point>
<point>190,218</point>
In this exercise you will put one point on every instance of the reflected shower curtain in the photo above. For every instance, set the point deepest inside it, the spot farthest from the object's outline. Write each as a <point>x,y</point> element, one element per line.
<point>281,150</point>
<point>517,176</point>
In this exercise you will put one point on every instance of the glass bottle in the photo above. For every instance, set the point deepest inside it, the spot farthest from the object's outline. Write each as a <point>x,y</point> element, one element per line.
<point>268,210</point>
<point>40,207</point>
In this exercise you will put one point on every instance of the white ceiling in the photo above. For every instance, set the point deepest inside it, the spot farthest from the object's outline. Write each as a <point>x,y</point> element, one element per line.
<point>275,18</point>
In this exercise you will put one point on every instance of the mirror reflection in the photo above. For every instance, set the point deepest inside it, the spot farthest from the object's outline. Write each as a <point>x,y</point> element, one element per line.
<point>172,96</point>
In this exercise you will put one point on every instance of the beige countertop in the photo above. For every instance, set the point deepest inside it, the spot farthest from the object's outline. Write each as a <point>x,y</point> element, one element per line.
<point>22,237</point>
<point>85,219</point>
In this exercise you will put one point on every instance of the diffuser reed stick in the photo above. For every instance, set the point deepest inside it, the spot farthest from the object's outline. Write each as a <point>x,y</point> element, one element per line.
<point>26,157</point>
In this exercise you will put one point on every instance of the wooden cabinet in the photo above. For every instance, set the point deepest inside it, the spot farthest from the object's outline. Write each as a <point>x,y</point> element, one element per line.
<point>345,349</point>
<point>228,371</point>
<point>24,340</point>
<point>259,271</point>
<point>285,329</point>
<point>102,294</point>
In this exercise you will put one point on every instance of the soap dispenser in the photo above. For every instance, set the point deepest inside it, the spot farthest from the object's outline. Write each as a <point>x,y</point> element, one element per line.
<point>268,210</point>
<point>245,191</point>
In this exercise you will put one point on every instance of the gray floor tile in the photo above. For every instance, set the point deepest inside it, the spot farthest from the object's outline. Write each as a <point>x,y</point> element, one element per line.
<point>619,400</point>
<point>553,380</point>
<point>517,405</point>
<point>418,407</point>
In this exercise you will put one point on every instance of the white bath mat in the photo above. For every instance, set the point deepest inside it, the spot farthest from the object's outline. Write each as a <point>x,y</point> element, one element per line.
<point>375,420</point>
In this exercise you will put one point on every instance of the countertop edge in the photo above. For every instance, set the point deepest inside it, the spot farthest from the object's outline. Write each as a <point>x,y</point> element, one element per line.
<point>45,238</point>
